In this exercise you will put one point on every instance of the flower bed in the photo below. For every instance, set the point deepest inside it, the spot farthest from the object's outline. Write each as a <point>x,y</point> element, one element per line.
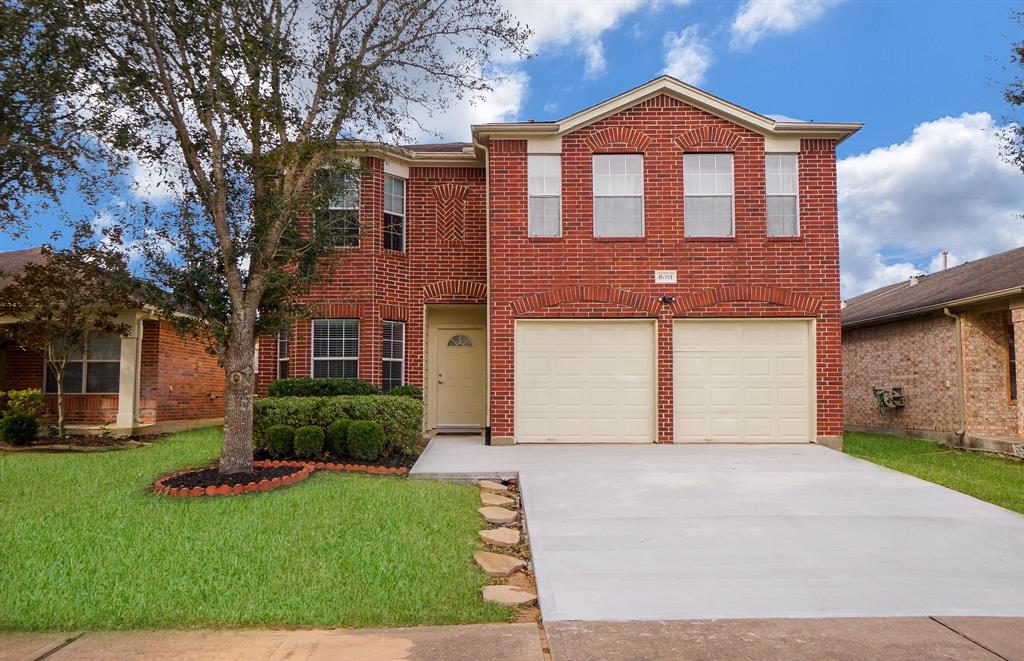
<point>208,481</point>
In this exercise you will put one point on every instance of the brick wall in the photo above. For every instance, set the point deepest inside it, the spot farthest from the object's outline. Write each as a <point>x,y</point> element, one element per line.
<point>988,410</point>
<point>918,354</point>
<point>747,275</point>
<point>179,379</point>
<point>25,370</point>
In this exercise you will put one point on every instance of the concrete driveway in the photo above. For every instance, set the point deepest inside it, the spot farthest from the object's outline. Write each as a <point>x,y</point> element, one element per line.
<point>746,531</point>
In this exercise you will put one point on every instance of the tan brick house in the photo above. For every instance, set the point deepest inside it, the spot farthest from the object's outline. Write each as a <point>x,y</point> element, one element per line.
<point>949,341</point>
<point>660,267</point>
<point>150,381</point>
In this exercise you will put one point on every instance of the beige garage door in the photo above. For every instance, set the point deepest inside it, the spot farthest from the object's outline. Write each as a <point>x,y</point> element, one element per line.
<point>742,380</point>
<point>585,381</point>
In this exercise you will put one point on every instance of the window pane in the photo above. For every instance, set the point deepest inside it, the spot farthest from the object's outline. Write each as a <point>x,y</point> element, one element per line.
<point>707,174</point>
<point>394,232</point>
<point>708,216</point>
<point>545,216</point>
<point>780,174</point>
<point>336,338</point>
<point>544,174</point>
<point>782,217</point>
<point>346,192</point>
<point>335,369</point>
<point>394,340</point>
<point>341,228</point>
<point>618,174</point>
<point>392,374</point>
<point>282,368</point>
<point>394,195</point>
<point>103,346</point>
<point>618,216</point>
<point>72,378</point>
<point>102,377</point>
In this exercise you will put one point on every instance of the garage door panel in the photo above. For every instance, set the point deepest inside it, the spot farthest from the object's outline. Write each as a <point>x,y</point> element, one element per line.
<point>742,380</point>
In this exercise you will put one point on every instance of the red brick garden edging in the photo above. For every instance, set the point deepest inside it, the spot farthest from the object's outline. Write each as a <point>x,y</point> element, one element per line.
<point>360,468</point>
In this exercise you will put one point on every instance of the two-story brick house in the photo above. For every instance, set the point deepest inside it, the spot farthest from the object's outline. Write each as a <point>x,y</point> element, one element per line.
<point>663,266</point>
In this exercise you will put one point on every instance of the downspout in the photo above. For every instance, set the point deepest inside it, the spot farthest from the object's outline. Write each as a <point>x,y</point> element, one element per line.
<point>487,280</point>
<point>959,372</point>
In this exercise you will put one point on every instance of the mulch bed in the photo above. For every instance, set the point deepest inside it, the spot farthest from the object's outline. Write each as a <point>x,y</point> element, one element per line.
<point>208,481</point>
<point>397,465</point>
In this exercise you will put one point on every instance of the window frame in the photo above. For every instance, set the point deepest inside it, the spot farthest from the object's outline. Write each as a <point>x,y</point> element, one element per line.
<point>346,241</point>
<point>767,227</point>
<point>1012,386</point>
<point>312,348</point>
<point>283,337</point>
<point>403,216</point>
<point>385,359</point>
<point>732,196</point>
<point>530,196</point>
<point>84,362</point>
<point>642,195</point>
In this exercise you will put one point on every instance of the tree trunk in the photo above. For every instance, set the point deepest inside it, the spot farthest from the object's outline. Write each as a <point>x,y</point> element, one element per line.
<point>236,451</point>
<point>59,376</point>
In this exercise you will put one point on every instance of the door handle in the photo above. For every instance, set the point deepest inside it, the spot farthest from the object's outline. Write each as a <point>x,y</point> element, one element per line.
<point>440,379</point>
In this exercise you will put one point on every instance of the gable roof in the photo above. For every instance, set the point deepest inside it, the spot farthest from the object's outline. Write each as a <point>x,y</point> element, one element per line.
<point>681,91</point>
<point>991,277</point>
<point>13,262</point>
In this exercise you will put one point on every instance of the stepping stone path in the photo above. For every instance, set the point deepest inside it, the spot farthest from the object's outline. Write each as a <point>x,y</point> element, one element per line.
<point>495,500</point>
<point>497,515</point>
<point>498,565</point>
<point>500,537</point>
<point>508,595</point>
<point>493,487</point>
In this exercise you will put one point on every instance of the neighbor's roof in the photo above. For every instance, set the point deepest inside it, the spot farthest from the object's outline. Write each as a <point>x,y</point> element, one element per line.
<point>987,278</point>
<point>13,261</point>
<point>439,147</point>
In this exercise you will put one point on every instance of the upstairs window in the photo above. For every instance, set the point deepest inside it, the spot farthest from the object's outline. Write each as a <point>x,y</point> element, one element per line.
<point>336,348</point>
<point>394,214</point>
<point>707,184</point>
<point>781,186</point>
<point>96,370</point>
<point>341,220</point>
<point>618,195</point>
<point>282,354</point>
<point>544,175</point>
<point>393,355</point>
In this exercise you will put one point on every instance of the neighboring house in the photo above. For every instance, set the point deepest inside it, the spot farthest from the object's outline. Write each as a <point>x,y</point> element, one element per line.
<point>949,341</point>
<point>662,266</point>
<point>150,381</point>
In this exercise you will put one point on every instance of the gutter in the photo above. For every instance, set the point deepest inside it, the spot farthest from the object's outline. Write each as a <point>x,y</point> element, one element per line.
<point>970,300</point>
<point>487,279</point>
<point>959,342</point>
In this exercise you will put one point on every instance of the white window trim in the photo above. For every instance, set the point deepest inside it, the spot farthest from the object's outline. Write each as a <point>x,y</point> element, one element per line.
<point>799,227</point>
<point>642,196</point>
<point>732,229</point>
<point>85,372</point>
<point>404,215</point>
<point>560,196</point>
<point>312,350</point>
<point>357,208</point>
<point>286,358</point>
<point>401,360</point>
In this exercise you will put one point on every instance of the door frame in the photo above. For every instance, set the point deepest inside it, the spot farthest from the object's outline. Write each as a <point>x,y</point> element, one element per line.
<point>439,318</point>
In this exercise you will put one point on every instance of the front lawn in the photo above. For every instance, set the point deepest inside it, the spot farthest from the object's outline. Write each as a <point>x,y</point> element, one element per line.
<point>990,478</point>
<point>84,544</point>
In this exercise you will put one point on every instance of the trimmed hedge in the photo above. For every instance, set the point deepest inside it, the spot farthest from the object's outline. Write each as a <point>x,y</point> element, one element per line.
<point>308,387</point>
<point>279,440</point>
<point>366,440</point>
<point>19,427</point>
<point>406,391</point>
<point>309,442</point>
<point>337,437</point>
<point>400,417</point>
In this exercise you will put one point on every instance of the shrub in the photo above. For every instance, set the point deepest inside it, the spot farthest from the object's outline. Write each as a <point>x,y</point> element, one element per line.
<point>29,400</point>
<point>308,387</point>
<point>337,437</point>
<point>19,427</point>
<point>279,440</point>
<point>309,442</point>
<point>366,440</point>
<point>406,391</point>
<point>401,417</point>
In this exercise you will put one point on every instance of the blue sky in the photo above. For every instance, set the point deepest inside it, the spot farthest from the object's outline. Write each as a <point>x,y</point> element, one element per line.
<point>925,78</point>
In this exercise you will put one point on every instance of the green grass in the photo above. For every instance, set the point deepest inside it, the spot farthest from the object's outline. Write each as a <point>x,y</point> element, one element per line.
<point>994,479</point>
<point>84,544</point>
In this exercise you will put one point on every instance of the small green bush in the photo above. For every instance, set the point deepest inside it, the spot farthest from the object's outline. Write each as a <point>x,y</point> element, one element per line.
<point>279,440</point>
<point>29,400</point>
<point>309,442</point>
<point>337,437</point>
<point>406,391</point>
<point>19,427</point>
<point>307,387</point>
<point>366,440</point>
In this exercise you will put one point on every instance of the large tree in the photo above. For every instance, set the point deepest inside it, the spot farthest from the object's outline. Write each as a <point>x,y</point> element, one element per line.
<point>239,105</point>
<point>1014,95</point>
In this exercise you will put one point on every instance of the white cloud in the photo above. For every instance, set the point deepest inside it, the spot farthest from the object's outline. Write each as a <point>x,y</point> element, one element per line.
<point>687,55</point>
<point>760,18</point>
<point>147,182</point>
<point>945,188</point>
<point>502,104</point>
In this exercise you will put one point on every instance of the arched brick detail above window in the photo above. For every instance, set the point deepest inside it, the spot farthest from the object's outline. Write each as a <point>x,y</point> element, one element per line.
<point>618,138</point>
<point>756,293</point>
<point>709,137</point>
<point>585,294</point>
<point>461,289</point>
<point>450,206</point>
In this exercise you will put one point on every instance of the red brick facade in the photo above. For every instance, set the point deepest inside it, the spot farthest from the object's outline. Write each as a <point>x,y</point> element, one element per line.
<point>452,257</point>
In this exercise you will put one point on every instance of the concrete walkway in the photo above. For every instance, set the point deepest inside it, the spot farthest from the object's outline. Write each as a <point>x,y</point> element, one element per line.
<point>690,532</point>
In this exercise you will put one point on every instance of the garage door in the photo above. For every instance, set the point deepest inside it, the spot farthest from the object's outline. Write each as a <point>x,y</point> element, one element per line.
<point>585,381</point>
<point>742,380</point>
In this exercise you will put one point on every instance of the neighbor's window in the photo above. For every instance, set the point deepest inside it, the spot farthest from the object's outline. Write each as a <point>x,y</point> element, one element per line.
<point>707,185</point>
<point>1012,346</point>
<point>394,214</point>
<point>544,175</point>
<point>341,221</point>
<point>282,354</point>
<point>781,186</point>
<point>96,370</point>
<point>618,195</point>
<point>393,368</point>
<point>336,348</point>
